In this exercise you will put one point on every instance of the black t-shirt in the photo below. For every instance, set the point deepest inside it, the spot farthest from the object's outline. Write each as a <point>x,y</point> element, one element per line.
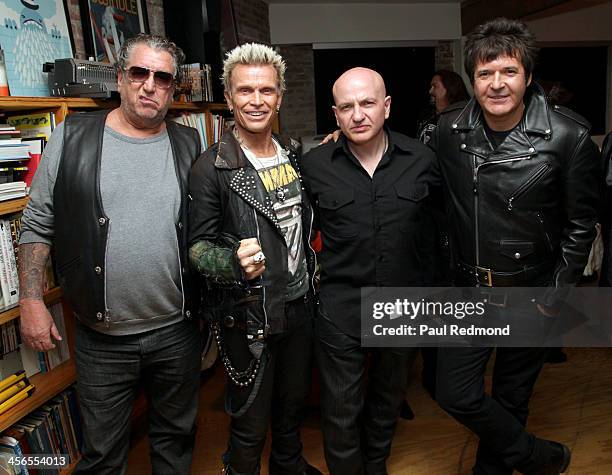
<point>496,137</point>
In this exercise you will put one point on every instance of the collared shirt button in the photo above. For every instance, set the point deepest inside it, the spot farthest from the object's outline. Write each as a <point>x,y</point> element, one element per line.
<point>98,270</point>
<point>517,255</point>
<point>463,146</point>
<point>102,221</point>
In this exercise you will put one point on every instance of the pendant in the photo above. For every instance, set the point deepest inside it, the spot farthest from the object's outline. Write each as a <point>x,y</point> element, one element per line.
<point>280,194</point>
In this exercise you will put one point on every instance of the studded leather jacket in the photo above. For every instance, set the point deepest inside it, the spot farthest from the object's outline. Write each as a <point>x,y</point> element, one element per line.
<point>527,208</point>
<point>229,203</point>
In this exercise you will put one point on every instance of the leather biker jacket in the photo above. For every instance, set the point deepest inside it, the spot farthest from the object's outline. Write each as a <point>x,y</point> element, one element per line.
<point>528,207</point>
<point>229,203</point>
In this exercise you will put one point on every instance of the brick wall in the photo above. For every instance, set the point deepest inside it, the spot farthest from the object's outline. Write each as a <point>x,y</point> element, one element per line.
<point>298,113</point>
<point>155,13</point>
<point>252,21</point>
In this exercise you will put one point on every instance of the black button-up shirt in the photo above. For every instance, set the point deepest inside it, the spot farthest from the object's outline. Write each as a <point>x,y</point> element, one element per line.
<point>376,231</point>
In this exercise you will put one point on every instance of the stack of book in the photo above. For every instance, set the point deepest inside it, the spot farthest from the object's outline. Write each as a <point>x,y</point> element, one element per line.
<point>14,155</point>
<point>14,389</point>
<point>54,429</point>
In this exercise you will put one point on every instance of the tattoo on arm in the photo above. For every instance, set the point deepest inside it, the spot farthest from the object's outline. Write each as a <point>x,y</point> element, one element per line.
<point>32,262</point>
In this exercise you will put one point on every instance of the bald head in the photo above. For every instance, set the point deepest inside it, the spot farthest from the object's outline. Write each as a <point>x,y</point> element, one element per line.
<point>359,77</point>
<point>361,105</point>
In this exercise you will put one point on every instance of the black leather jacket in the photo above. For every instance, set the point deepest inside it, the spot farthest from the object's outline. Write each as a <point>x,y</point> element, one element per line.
<point>81,227</point>
<point>230,203</point>
<point>529,205</point>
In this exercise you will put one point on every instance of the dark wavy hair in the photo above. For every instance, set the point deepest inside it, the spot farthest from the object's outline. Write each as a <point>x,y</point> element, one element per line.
<point>500,37</point>
<point>454,85</point>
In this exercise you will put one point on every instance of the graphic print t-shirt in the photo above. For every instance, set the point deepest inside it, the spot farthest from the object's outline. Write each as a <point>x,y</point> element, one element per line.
<point>276,172</point>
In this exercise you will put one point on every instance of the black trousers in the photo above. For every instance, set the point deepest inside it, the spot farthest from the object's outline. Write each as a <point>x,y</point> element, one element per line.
<point>358,422</point>
<point>166,362</point>
<point>498,419</point>
<point>280,399</point>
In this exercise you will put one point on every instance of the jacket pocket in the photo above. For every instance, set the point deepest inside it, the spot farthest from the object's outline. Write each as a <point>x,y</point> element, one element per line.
<point>516,250</point>
<point>528,184</point>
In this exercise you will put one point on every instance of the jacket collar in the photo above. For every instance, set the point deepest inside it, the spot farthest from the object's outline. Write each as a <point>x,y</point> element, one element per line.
<point>230,155</point>
<point>536,119</point>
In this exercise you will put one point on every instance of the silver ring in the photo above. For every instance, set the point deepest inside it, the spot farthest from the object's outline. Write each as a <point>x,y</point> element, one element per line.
<point>259,257</point>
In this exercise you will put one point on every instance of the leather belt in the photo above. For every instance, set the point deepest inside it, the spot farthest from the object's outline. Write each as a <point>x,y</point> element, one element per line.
<point>478,275</point>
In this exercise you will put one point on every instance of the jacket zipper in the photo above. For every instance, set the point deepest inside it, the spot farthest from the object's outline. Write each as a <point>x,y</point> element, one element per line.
<point>476,168</point>
<point>527,184</point>
<point>181,264</point>
<point>313,253</point>
<point>106,312</point>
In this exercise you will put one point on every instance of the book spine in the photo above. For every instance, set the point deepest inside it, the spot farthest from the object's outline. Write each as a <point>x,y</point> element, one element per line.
<point>9,261</point>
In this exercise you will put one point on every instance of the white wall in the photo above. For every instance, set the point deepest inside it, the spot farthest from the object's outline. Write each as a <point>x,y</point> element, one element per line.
<point>587,24</point>
<point>362,22</point>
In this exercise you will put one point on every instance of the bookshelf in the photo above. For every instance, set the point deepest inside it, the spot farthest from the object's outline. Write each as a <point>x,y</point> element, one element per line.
<point>49,384</point>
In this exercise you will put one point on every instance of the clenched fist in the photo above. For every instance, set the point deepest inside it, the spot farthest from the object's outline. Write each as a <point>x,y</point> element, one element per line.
<point>251,258</point>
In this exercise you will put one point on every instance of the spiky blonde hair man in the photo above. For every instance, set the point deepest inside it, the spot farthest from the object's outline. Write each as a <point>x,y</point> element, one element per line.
<point>253,53</point>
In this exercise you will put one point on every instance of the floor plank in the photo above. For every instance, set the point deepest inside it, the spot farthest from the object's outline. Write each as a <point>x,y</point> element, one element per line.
<point>572,403</point>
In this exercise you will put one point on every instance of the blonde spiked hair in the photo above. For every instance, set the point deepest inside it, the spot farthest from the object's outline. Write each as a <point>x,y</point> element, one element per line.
<point>253,53</point>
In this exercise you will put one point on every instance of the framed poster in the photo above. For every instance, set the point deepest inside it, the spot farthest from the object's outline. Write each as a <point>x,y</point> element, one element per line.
<point>33,32</point>
<point>106,25</point>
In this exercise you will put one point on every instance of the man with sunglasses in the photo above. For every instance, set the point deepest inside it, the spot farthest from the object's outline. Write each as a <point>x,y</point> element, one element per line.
<point>110,197</point>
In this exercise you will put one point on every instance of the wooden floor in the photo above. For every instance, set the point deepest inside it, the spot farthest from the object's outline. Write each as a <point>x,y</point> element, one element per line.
<point>572,403</point>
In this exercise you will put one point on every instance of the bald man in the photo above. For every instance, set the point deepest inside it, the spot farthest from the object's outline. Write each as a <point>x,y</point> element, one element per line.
<point>370,191</point>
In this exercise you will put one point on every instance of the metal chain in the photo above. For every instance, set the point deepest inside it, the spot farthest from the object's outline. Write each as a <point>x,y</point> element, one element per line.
<point>239,378</point>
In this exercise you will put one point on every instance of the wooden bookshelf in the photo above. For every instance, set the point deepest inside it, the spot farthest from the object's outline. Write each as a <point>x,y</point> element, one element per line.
<point>47,385</point>
<point>13,206</point>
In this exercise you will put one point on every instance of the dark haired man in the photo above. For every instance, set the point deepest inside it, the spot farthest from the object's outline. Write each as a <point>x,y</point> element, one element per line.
<point>110,196</point>
<point>522,187</point>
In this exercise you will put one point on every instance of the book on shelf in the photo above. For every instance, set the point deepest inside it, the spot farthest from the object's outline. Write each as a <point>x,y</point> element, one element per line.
<point>9,281</point>
<point>196,120</point>
<point>38,124</point>
<point>10,447</point>
<point>54,428</point>
<point>12,190</point>
<point>196,83</point>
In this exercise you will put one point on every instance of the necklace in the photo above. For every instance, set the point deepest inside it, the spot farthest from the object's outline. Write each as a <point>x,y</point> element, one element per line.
<point>279,191</point>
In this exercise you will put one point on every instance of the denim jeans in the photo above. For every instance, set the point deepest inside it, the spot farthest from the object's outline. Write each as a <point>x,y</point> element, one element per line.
<point>166,364</point>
